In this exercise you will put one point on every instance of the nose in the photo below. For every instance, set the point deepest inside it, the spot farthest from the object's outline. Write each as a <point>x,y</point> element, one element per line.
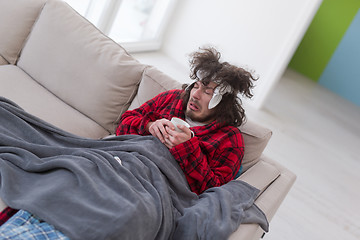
<point>196,93</point>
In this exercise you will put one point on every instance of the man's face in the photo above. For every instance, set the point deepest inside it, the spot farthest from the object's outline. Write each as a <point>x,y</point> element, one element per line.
<point>197,106</point>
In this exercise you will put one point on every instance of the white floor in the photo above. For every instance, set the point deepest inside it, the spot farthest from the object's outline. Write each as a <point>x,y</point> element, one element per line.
<point>316,134</point>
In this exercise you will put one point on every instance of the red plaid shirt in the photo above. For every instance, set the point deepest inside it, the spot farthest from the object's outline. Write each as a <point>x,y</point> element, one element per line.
<point>6,214</point>
<point>211,158</point>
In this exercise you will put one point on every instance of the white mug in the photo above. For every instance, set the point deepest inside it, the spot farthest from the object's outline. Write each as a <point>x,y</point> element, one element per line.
<point>178,121</point>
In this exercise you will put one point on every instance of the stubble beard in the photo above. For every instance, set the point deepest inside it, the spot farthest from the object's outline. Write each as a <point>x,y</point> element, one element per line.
<point>202,119</point>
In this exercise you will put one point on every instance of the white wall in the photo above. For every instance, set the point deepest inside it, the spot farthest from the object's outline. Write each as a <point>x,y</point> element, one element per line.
<point>260,35</point>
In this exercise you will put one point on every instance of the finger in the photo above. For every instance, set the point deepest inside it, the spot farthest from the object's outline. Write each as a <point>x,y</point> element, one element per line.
<point>172,126</point>
<point>154,130</point>
<point>175,137</point>
<point>162,130</point>
<point>184,129</point>
<point>170,131</point>
<point>168,144</point>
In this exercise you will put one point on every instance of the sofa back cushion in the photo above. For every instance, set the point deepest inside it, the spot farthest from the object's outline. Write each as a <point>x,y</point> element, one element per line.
<point>3,61</point>
<point>255,136</point>
<point>72,59</point>
<point>17,19</point>
<point>152,83</point>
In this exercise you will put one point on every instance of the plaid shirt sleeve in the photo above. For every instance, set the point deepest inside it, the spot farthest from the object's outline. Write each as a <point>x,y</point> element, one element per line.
<point>204,169</point>
<point>135,121</point>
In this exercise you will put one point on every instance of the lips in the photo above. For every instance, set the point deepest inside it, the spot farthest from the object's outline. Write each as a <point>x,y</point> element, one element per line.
<point>193,106</point>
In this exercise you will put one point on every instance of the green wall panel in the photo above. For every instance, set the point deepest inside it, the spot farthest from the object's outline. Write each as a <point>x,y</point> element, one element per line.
<point>323,36</point>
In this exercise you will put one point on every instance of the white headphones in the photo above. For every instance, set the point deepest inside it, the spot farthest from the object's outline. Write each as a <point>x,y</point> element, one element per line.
<point>219,91</point>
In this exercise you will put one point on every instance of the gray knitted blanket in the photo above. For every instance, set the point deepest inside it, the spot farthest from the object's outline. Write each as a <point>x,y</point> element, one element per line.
<point>125,187</point>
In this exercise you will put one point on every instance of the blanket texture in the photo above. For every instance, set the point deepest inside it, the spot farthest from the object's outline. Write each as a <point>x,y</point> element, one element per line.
<point>124,187</point>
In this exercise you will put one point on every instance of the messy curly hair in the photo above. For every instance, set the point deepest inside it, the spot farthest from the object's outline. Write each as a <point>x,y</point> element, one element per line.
<point>206,67</point>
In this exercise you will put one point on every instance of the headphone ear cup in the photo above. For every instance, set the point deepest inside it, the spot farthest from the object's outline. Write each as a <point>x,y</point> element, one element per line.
<point>189,87</point>
<point>215,100</point>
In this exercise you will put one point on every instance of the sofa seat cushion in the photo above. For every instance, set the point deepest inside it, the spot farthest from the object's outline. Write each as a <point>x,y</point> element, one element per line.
<point>17,86</point>
<point>76,62</point>
<point>17,19</point>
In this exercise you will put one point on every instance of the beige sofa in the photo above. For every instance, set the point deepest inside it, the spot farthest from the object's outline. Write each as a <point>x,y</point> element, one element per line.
<point>59,67</point>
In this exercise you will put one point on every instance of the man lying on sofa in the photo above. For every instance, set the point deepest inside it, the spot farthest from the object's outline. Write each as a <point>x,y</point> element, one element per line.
<point>209,152</point>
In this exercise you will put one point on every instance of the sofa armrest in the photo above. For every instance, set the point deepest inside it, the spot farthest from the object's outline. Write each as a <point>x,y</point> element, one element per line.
<point>274,182</point>
<point>261,175</point>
